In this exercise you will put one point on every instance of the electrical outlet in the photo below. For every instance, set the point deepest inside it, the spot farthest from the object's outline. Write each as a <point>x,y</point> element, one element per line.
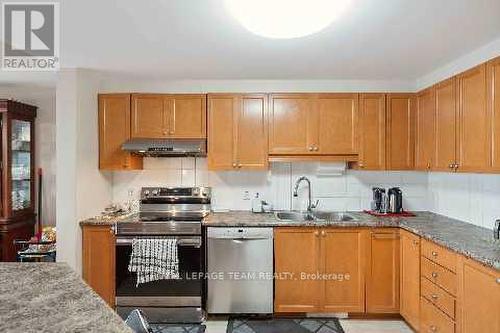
<point>246,195</point>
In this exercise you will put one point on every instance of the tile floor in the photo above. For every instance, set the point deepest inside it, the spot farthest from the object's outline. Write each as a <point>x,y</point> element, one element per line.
<point>349,325</point>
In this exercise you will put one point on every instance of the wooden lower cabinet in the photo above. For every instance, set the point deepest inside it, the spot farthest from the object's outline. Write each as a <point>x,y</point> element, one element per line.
<point>343,254</point>
<point>479,295</point>
<point>319,270</point>
<point>410,278</point>
<point>99,261</point>
<point>382,282</point>
<point>296,252</point>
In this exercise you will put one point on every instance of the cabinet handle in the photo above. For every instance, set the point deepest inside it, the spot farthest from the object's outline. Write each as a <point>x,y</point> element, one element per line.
<point>415,242</point>
<point>235,165</point>
<point>316,233</point>
<point>361,165</point>
<point>433,328</point>
<point>429,165</point>
<point>434,253</point>
<point>171,132</point>
<point>434,296</point>
<point>323,233</point>
<point>311,148</point>
<point>456,166</point>
<point>451,166</point>
<point>434,274</point>
<point>498,280</point>
<point>239,165</point>
<point>316,148</point>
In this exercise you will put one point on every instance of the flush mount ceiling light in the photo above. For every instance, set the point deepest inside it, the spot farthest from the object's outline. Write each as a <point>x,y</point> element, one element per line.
<point>286,18</point>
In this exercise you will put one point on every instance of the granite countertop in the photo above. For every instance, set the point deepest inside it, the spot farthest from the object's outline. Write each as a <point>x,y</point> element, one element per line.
<point>464,238</point>
<point>50,297</point>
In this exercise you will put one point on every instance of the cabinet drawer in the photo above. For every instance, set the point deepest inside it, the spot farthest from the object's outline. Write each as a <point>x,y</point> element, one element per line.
<point>439,275</point>
<point>437,296</point>
<point>439,255</point>
<point>434,321</point>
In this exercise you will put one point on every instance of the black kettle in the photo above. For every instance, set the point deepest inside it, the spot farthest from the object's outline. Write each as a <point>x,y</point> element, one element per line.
<point>395,197</point>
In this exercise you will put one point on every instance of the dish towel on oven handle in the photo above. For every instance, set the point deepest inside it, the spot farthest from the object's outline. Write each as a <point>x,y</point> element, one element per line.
<point>154,259</point>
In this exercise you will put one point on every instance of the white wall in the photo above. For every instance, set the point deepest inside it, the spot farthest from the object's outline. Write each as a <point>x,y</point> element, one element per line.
<point>82,191</point>
<point>474,198</point>
<point>351,191</point>
<point>45,138</point>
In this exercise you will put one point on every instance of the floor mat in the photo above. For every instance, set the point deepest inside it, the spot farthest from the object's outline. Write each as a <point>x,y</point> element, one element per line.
<point>281,325</point>
<point>177,328</point>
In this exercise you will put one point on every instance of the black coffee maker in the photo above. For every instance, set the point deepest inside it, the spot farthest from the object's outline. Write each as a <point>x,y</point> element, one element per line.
<point>378,197</point>
<point>395,198</point>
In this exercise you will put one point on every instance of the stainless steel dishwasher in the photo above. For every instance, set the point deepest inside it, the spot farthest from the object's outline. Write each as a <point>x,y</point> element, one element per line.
<point>240,270</point>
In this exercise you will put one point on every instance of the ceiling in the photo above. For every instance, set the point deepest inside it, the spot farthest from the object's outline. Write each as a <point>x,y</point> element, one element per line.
<point>198,39</point>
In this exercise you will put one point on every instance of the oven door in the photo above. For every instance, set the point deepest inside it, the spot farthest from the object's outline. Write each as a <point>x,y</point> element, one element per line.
<point>176,300</point>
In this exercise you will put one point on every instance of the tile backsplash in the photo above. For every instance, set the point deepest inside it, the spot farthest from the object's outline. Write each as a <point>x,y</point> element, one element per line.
<point>474,198</point>
<point>231,189</point>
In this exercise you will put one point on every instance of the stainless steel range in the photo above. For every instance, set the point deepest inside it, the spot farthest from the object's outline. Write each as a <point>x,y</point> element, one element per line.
<point>169,212</point>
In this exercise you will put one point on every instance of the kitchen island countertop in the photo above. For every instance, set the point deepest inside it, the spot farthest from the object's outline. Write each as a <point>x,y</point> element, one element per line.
<point>51,297</point>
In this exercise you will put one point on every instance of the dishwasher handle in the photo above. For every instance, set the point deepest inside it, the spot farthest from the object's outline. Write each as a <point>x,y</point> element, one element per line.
<point>242,239</point>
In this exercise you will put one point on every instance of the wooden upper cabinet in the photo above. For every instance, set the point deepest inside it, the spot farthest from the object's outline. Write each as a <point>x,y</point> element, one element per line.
<point>149,116</point>
<point>382,282</point>
<point>251,139</point>
<point>114,130</point>
<point>410,278</point>
<point>237,134</point>
<point>446,125</point>
<point>372,117</point>
<point>344,252</point>
<point>425,129</point>
<point>479,294</point>
<point>290,125</point>
<point>187,116</point>
<point>493,71</point>
<point>168,116</point>
<point>400,151</point>
<point>296,295</point>
<point>474,126</point>
<point>335,125</point>
<point>222,110</point>
<point>99,261</point>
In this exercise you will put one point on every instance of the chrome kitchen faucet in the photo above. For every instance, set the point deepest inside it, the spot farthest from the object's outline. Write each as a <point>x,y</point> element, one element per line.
<point>310,205</point>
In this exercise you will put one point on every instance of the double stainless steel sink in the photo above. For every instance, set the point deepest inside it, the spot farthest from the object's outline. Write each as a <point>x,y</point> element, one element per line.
<point>319,216</point>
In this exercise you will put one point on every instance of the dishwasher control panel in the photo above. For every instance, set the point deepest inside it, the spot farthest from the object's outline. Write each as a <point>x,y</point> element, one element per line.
<point>243,233</point>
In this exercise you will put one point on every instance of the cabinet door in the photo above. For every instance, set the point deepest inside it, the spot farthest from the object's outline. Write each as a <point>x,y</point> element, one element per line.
<point>446,125</point>
<point>343,253</point>
<point>290,124</point>
<point>474,127</point>
<point>372,132</point>
<point>296,252</point>
<point>251,139</point>
<point>382,285</point>
<point>425,130</point>
<point>221,123</point>
<point>114,130</point>
<point>410,278</point>
<point>187,116</point>
<point>99,261</point>
<point>149,116</point>
<point>494,106</point>
<point>480,298</point>
<point>400,131</point>
<point>336,124</point>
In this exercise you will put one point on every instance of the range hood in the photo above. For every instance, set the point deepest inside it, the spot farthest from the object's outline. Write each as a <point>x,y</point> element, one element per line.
<point>166,147</point>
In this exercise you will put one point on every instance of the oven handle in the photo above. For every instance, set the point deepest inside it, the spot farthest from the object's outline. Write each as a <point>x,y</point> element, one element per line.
<point>181,241</point>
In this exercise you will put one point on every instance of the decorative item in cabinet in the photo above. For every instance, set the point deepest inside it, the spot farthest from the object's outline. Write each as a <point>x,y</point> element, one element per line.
<point>17,216</point>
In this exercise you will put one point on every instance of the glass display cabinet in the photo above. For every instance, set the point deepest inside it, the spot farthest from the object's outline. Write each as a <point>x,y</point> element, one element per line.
<point>17,180</point>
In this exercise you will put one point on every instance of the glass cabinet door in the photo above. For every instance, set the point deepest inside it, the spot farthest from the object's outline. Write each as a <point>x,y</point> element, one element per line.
<point>21,164</point>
